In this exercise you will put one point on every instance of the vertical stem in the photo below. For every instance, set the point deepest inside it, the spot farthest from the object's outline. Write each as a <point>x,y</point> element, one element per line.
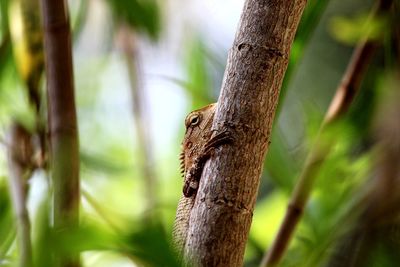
<point>141,120</point>
<point>19,155</point>
<point>64,147</point>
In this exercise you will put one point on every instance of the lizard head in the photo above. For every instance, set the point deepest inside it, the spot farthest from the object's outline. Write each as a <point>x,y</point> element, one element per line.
<point>198,129</point>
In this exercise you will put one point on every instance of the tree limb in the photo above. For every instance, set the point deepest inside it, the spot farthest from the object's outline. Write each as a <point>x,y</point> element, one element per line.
<point>223,209</point>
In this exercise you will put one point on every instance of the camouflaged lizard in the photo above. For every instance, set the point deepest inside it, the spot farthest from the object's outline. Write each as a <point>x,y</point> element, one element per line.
<point>198,145</point>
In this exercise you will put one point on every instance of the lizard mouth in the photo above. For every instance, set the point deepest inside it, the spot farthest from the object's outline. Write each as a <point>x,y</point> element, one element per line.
<point>182,163</point>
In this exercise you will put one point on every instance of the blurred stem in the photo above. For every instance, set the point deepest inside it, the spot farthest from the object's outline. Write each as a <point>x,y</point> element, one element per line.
<point>19,155</point>
<point>97,207</point>
<point>344,96</point>
<point>376,225</point>
<point>141,120</point>
<point>64,149</point>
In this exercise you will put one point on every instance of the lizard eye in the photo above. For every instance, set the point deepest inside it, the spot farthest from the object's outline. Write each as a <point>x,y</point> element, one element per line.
<point>193,120</point>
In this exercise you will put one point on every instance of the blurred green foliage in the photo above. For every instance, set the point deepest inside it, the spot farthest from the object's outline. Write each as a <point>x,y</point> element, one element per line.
<point>143,16</point>
<point>7,227</point>
<point>322,59</point>
<point>352,30</point>
<point>5,47</point>
<point>199,80</point>
<point>309,21</point>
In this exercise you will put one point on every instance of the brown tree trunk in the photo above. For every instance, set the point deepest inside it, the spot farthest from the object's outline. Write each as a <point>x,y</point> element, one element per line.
<point>62,122</point>
<point>222,213</point>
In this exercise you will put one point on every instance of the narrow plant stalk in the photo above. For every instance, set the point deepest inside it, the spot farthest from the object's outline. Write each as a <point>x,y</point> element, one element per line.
<point>19,155</point>
<point>374,215</point>
<point>141,120</point>
<point>341,102</point>
<point>64,147</point>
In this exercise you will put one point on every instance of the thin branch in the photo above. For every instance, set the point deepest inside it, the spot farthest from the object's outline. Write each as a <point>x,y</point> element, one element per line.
<point>375,214</point>
<point>64,149</point>
<point>20,153</point>
<point>141,120</point>
<point>344,96</point>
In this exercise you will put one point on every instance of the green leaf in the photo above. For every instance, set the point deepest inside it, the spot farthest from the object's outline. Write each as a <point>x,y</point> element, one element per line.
<point>7,227</point>
<point>150,244</point>
<point>199,83</point>
<point>142,15</point>
<point>351,30</point>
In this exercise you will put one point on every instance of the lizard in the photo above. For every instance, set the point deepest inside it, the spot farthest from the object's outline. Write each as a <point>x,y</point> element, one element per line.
<point>198,146</point>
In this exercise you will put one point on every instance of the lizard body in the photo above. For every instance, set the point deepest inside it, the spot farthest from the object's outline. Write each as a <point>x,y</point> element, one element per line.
<point>198,130</point>
<point>198,145</point>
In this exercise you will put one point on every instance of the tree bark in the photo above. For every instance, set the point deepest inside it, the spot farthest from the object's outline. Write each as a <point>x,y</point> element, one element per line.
<point>221,217</point>
<point>64,154</point>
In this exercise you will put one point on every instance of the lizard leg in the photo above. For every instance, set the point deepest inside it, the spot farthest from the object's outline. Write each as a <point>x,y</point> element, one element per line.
<point>192,178</point>
<point>219,139</point>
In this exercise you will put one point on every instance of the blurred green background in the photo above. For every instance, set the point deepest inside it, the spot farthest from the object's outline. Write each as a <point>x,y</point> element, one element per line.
<point>180,50</point>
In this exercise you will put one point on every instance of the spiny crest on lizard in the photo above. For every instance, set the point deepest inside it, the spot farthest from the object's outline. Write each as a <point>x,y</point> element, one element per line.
<point>198,132</point>
<point>198,145</point>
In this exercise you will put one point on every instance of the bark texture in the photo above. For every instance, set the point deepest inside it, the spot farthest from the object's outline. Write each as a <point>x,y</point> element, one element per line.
<point>222,213</point>
<point>64,154</point>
